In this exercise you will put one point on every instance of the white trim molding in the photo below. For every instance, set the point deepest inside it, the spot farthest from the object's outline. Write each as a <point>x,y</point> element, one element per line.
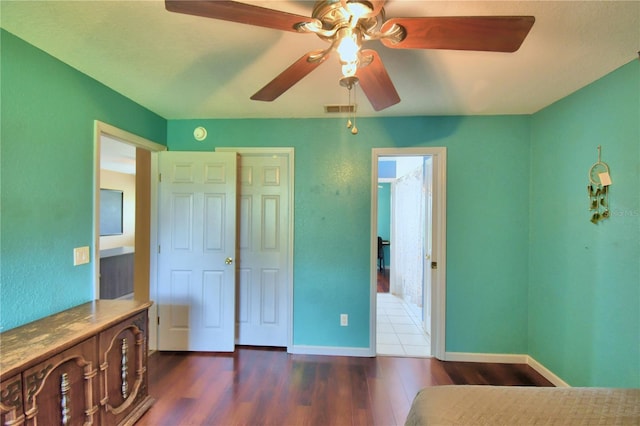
<point>104,129</point>
<point>331,350</point>
<point>508,359</point>
<point>439,250</point>
<point>546,373</point>
<point>480,357</point>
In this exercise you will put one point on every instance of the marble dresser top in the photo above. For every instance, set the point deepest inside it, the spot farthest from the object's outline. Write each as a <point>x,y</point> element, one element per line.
<point>25,345</point>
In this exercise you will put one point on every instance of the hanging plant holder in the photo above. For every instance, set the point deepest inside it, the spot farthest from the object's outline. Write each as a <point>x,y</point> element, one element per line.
<point>598,190</point>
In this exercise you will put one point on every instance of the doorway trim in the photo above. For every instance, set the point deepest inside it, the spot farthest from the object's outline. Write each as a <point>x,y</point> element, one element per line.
<point>103,129</point>
<point>439,238</point>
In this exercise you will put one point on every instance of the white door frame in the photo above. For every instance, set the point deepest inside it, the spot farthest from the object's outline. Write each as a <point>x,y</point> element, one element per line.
<point>99,129</point>
<point>290,153</point>
<point>439,223</point>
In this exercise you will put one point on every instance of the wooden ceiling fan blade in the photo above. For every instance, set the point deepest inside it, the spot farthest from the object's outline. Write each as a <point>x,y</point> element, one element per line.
<point>289,77</point>
<point>483,33</point>
<point>238,12</point>
<point>376,83</point>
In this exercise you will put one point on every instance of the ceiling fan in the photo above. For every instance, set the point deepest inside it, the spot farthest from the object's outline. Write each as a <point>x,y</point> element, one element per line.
<point>346,24</point>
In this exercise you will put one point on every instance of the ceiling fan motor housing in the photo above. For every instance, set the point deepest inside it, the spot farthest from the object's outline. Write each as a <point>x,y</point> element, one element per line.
<point>333,15</point>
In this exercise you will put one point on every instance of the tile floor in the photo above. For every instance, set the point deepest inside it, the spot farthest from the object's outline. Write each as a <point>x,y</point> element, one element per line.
<point>398,329</point>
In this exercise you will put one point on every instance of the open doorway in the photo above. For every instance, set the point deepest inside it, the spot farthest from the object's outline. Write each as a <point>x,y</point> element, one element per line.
<point>408,237</point>
<point>117,197</point>
<point>129,163</point>
<point>404,217</point>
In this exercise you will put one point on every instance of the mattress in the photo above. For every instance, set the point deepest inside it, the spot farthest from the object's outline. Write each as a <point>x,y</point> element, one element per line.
<point>520,405</point>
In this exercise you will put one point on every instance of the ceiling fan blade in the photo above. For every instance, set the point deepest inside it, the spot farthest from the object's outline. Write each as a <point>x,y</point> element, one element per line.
<point>376,83</point>
<point>484,33</point>
<point>238,12</point>
<point>289,77</point>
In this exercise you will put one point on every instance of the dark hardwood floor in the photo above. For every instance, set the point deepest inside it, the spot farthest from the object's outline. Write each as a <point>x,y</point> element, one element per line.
<point>383,281</point>
<point>262,386</point>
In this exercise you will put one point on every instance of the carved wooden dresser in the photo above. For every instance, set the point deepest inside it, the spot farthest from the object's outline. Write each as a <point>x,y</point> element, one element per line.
<point>85,365</point>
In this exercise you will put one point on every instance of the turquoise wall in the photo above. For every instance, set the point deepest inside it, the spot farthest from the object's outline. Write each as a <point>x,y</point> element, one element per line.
<point>48,111</point>
<point>527,272</point>
<point>487,255</point>
<point>384,217</point>
<point>584,296</point>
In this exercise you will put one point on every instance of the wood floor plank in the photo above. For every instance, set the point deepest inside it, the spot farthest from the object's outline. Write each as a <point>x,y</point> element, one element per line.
<point>264,386</point>
<point>383,412</point>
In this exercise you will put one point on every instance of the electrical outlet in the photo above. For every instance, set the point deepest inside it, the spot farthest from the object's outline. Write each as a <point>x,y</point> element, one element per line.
<point>80,255</point>
<point>344,320</point>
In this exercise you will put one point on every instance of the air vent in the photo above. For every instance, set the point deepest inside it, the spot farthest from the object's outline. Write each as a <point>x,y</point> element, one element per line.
<point>337,109</point>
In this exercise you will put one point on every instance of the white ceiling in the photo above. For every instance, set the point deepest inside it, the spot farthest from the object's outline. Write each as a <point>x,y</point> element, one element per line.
<point>117,156</point>
<point>182,66</point>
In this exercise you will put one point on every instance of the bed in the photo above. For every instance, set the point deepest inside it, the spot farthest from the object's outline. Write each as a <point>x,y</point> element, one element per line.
<point>523,405</point>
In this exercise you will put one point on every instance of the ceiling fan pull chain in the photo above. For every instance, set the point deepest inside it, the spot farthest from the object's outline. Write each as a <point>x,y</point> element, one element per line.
<point>354,129</point>
<point>349,109</point>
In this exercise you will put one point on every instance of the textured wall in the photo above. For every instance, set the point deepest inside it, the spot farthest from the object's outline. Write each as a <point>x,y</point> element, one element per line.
<point>584,308</point>
<point>48,111</point>
<point>487,253</point>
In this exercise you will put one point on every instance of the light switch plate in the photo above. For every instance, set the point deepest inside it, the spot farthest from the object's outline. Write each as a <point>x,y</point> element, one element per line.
<point>80,255</point>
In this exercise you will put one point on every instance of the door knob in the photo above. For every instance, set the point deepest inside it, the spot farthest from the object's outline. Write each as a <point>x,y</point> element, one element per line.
<point>228,261</point>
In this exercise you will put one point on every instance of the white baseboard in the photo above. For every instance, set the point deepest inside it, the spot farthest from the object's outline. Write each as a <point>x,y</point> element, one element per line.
<point>547,374</point>
<point>478,357</point>
<point>507,359</point>
<point>448,356</point>
<point>330,350</point>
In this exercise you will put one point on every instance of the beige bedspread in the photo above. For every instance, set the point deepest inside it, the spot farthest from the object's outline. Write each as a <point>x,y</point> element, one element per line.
<point>520,405</point>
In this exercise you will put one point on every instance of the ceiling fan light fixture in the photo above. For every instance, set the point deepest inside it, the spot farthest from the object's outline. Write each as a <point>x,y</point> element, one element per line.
<point>349,69</point>
<point>348,49</point>
<point>356,9</point>
<point>349,45</point>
